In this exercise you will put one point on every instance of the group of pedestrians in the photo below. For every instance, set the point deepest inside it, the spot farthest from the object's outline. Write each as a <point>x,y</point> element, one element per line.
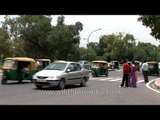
<point>130,76</point>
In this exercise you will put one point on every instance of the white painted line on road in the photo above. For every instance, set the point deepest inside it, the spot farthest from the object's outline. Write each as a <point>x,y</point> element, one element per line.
<point>108,78</point>
<point>140,81</point>
<point>116,79</point>
<point>147,85</point>
<point>93,79</point>
<point>102,80</point>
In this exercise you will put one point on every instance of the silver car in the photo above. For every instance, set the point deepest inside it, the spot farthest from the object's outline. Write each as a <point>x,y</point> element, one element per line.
<point>61,74</point>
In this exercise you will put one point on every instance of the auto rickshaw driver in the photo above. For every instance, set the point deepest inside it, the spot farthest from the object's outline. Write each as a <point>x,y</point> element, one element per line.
<point>26,70</point>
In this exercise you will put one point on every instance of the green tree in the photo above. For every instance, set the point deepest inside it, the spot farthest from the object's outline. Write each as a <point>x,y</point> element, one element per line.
<point>34,36</point>
<point>5,44</point>
<point>83,53</point>
<point>116,46</point>
<point>147,50</point>
<point>33,31</point>
<point>65,38</point>
<point>153,22</point>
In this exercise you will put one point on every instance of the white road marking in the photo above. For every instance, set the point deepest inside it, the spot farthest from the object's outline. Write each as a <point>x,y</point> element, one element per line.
<point>109,78</point>
<point>140,80</point>
<point>94,79</point>
<point>116,79</point>
<point>147,85</point>
<point>102,80</point>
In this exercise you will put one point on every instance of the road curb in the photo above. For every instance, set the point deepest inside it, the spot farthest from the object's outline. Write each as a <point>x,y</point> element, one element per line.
<point>157,84</point>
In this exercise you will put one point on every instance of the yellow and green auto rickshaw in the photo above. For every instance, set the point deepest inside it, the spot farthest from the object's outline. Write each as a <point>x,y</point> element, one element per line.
<point>115,64</point>
<point>42,63</point>
<point>18,69</point>
<point>99,67</point>
<point>153,68</point>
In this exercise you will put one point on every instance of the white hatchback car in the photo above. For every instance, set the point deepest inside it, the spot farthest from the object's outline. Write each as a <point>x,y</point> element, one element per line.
<point>61,74</point>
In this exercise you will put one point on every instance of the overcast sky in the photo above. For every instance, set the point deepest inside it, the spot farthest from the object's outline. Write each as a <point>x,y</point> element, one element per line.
<point>109,24</point>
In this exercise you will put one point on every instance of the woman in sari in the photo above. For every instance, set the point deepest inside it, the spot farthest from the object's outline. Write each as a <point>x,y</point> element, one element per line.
<point>134,77</point>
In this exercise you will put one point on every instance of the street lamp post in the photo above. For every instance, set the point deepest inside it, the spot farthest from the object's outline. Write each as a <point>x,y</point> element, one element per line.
<point>88,40</point>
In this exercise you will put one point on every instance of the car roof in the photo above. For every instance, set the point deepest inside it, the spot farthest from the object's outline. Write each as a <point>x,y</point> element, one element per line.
<point>66,62</point>
<point>83,60</point>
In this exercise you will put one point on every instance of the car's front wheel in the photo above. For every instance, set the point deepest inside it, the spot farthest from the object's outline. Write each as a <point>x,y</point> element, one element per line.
<point>38,86</point>
<point>61,85</point>
<point>83,82</point>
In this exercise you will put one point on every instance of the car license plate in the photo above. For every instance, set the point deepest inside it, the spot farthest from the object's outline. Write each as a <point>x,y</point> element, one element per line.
<point>41,80</point>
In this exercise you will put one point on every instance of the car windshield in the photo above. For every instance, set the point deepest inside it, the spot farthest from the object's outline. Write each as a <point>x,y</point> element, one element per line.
<point>56,66</point>
<point>81,62</point>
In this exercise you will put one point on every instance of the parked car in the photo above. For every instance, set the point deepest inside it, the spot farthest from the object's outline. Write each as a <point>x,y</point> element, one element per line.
<point>86,64</point>
<point>61,74</point>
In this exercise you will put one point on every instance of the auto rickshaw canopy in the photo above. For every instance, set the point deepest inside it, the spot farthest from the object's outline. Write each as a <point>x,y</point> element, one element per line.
<point>152,62</point>
<point>59,60</point>
<point>100,61</point>
<point>44,60</point>
<point>20,59</point>
<point>23,59</point>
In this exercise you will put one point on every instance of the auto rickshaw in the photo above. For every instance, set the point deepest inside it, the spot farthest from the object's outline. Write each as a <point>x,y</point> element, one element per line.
<point>115,64</point>
<point>14,69</point>
<point>42,63</point>
<point>99,67</point>
<point>153,68</point>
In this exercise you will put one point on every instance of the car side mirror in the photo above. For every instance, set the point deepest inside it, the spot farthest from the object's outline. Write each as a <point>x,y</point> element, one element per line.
<point>68,70</point>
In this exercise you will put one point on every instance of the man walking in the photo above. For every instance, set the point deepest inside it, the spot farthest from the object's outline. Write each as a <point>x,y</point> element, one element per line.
<point>125,74</point>
<point>145,71</point>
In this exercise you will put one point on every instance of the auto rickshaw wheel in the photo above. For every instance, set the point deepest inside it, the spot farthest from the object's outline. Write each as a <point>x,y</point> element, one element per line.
<point>106,74</point>
<point>4,81</point>
<point>31,80</point>
<point>20,81</point>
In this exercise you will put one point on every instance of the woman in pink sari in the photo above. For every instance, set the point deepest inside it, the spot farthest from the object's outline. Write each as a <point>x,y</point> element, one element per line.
<point>134,77</point>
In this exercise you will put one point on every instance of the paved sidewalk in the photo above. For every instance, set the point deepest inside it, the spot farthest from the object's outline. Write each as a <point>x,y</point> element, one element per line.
<point>157,84</point>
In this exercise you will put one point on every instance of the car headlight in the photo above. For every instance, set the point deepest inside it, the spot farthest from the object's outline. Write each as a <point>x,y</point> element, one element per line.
<point>1,72</point>
<point>34,77</point>
<point>51,77</point>
<point>54,77</point>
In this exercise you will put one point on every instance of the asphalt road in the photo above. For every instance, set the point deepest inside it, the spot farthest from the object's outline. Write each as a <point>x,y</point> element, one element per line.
<point>99,91</point>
